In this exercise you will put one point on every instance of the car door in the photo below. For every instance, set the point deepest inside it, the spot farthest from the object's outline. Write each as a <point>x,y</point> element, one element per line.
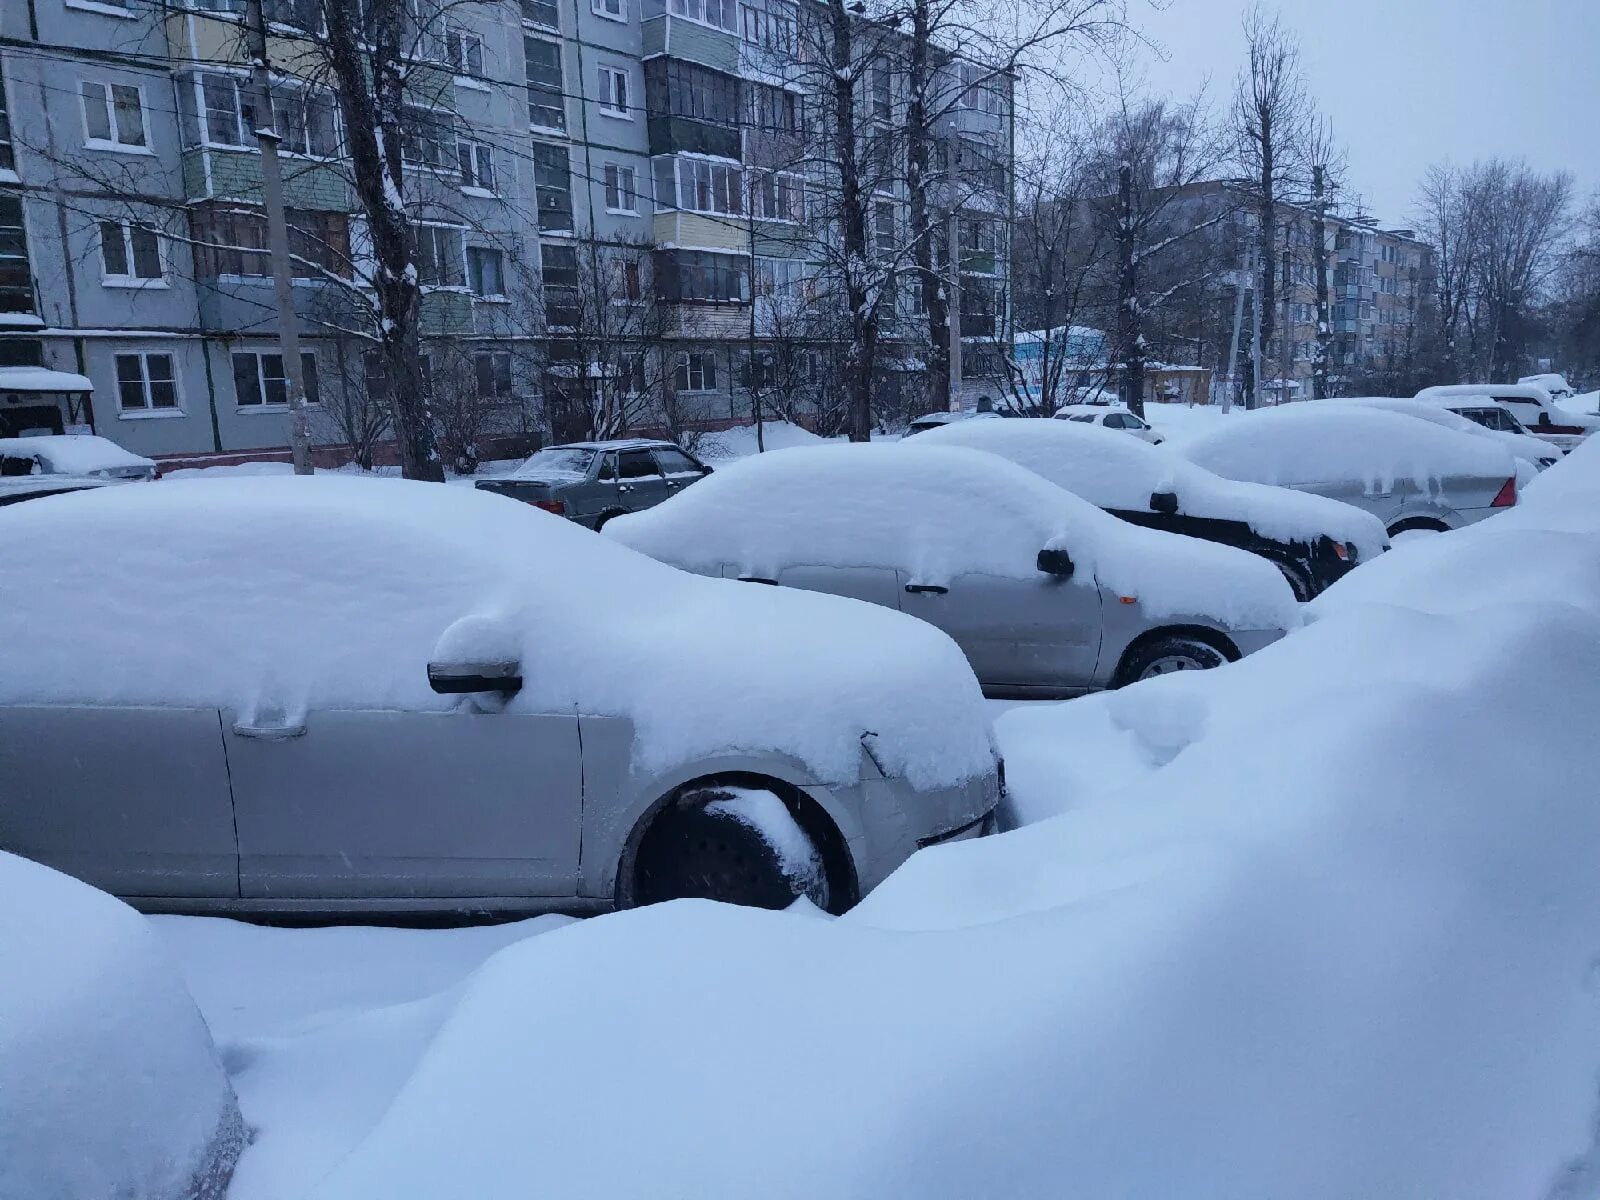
<point>1038,636</point>
<point>376,804</point>
<point>678,468</point>
<point>639,481</point>
<point>131,800</point>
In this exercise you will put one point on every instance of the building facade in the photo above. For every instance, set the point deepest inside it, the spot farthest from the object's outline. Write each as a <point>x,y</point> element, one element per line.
<point>620,210</point>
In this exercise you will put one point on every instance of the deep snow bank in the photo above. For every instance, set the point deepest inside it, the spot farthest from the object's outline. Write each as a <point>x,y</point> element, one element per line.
<point>1327,929</point>
<point>110,1088</point>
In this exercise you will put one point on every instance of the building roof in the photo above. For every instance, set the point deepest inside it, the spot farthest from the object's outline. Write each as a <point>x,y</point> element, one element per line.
<point>41,379</point>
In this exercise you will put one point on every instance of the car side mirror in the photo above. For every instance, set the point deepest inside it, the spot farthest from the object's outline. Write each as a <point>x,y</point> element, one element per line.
<point>1057,562</point>
<point>459,678</point>
<point>1164,502</point>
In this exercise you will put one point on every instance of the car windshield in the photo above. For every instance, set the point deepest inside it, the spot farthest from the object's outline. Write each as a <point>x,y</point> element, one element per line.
<point>558,461</point>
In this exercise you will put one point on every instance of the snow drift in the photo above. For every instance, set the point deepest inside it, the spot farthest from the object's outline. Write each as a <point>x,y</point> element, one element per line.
<point>110,1088</point>
<point>1325,927</point>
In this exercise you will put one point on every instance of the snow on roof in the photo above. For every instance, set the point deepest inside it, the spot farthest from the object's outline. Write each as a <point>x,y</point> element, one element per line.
<point>1523,391</point>
<point>1438,412</point>
<point>935,513</point>
<point>1112,470</point>
<point>1312,444</point>
<point>40,379</point>
<point>332,592</point>
<point>73,453</point>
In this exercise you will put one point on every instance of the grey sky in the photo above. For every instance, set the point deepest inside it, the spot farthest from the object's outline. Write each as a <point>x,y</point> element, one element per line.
<point>1409,82</point>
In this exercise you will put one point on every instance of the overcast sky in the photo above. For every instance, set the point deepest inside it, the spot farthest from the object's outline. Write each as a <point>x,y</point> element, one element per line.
<point>1410,82</point>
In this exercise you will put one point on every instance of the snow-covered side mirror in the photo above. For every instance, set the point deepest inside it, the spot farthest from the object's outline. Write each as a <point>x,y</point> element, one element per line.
<point>1164,502</point>
<point>1055,561</point>
<point>457,678</point>
<point>479,653</point>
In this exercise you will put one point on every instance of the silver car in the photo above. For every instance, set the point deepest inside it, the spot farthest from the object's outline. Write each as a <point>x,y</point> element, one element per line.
<point>1048,596</point>
<point>356,696</point>
<point>1411,475</point>
<point>591,482</point>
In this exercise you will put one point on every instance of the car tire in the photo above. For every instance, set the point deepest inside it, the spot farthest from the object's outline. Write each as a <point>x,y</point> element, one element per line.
<point>1164,655</point>
<point>1299,581</point>
<point>691,853</point>
<point>599,522</point>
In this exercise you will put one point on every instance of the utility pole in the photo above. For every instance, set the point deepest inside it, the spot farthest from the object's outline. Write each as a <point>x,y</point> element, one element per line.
<point>953,325</point>
<point>267,135</point>
<point>1285,346</point>
<point>1257,271</point>
<point>1239,278</point>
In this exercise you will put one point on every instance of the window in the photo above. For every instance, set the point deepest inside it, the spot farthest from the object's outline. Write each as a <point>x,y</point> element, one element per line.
<point>676,462</point>
<point>622,194</point>
<point>614,92</point>
<point>982,89</point>
<point>492,370</point>
<point>145,383</point>
<point>883,232</point>
<point>541,12</point>
<point>686,89</point>
<point>700,276</point>
<point>631,289</point>
<point>637,464</point>
<point>547,108</point>
<point>304,120</point>
<point>235,243</point>
<point>464,52</point>
<point>717,13</point>
<point>696,372</point>
<point>8,157</point>
<point>427,137</point>
<point>771,26</point>
<point>129,252</point>
<point>616,10</point>
<point>780,277</point>
<point>558,273</point>
<point>552,182</point>
<point>259,381</point>
<point>113,115</point>
<point>703,185</point>
<point>485,271</point>
<point>439,256</point>
<point>477,165</point>
<point>16,279</point>
<point>777,197</point>
<point>226,115</point>
<point>772,109</point>
<point>882,96</point>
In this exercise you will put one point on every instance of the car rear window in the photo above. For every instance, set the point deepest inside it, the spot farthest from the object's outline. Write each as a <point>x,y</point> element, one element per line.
<point>676,462</point>
<point>636,464</point>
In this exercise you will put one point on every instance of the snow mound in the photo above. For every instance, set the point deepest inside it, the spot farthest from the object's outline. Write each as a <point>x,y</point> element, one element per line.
<point>110,1088</point>
<point>1112,470</point>
<point>1309,444</point>
<point>73,454</point>
<point>934,512</point>
<point>332,592</point>
<point>1329,930</point>
<point>740,441</point>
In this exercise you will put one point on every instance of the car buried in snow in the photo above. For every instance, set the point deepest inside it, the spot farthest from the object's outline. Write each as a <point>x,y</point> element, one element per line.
<point>329,696</point>
<point>591,482</point>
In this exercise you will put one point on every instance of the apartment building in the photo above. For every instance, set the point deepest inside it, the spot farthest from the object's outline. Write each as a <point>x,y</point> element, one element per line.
<point>619,212</point>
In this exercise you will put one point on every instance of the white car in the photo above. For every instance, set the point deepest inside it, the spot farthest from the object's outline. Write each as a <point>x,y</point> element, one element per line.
<point>1487,419</point>
<point>1530,404</point>
<point>1110,417</point>
<point>938,420</point>
<point>1553,383</point>
<point>78,454</point>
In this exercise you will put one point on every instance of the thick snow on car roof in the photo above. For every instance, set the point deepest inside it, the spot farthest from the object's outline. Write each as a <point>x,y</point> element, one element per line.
<point>333,593</point>
<point>73,453</point>
<point>1308,444</point>
<point>1439,412</point>
<point>934,512</point>
<point>1113,470</point>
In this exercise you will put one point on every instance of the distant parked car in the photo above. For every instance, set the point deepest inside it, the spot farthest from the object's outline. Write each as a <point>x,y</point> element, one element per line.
<point>591,482</point>
<point>1487,419</point>
<point>358,696</point>
<point>1047,595</point>
<point>1111,418</point>
<point>1531,405</point>
<point>80,454</point>
<point>938,420</point>
<point>1555,385</point>
<point>1409,474</point>
<point>1313,541</point>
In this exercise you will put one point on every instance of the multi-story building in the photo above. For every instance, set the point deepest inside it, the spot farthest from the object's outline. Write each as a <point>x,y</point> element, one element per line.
<point>620,215</point>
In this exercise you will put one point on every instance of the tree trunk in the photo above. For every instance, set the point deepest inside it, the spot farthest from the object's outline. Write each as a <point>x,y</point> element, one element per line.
<point>371,108</point>
<point>860,354</point>
<point>919,161</point>
<point>1319,261</point>
<point>1130,320</point>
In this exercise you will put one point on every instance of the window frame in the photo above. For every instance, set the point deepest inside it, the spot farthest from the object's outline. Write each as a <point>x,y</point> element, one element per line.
<point>149,409</point>
<point>108,110</point>
<point>456,36</point>
<point>627,196</point>
<point>131,278</point>
<point>686,369</point>
<point>474,277</point>
<point>615,86</point>
<point>601,9</point>
<point>555,93</point>
<point>308,371</point>
<point>495,358</point>
<point>472,173</point>
<point>435,230</point>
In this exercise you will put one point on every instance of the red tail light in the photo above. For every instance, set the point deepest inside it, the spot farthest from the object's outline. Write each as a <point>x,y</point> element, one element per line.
<point>1506,496</point>
<point>559,507</point>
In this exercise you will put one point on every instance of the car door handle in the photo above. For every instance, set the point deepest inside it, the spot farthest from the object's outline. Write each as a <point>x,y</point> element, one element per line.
<point>269,733</point>
<point>626,487</point>
<point>931,589</point>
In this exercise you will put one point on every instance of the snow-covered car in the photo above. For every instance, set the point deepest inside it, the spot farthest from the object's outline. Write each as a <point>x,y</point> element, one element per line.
<point>76,454</point>
<point>1409,474</point>
<point>1109,417</point>
<point>591,482</point>
<point>339,695</point>
<point>938,420</point>
<point>1531,406</point>
<point>1554,384</point>
<point>1481,420</point>
<point>1313,541</point>
<point>1047,595</point>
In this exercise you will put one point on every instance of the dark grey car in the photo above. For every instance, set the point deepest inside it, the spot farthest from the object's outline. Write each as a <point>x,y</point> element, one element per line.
<point>591,482</point>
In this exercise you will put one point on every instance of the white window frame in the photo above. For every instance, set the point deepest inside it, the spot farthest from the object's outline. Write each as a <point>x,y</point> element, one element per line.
<point>604,10</point>
<point>552,101</point>
<point>496,358</point>
<point>477,151</point>
<point>461,250</point>
<point>132,280</point>
<point>109,107</point>
<point>624,180</point>
<point>724,179</point>
<point>499,295</point>
<point>267,406</point>
<point>455,36</point>
<point>695,10</point>
<point>686,363</point>
<point>615,85</point>
<point>149,410</point>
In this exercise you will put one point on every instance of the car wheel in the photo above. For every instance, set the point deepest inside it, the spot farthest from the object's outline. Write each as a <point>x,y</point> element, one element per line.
<point>1299,582</point>
<point>1164,655</point>
<point>599,522</point>
<point>698,849</point>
